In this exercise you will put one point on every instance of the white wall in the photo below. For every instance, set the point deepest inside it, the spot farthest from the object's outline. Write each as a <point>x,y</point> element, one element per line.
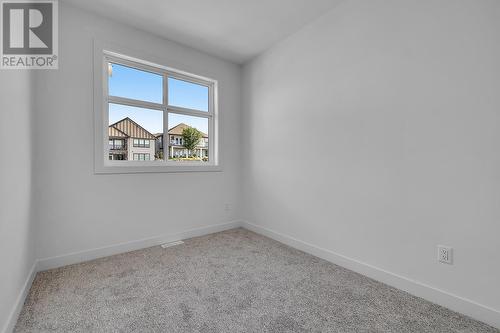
<point>77,210</point>
<point>402,101</point>
<point>402,98</point>
<point>16,229</point>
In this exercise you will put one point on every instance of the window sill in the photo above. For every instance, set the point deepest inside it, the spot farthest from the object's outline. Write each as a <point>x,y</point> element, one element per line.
<point>124,169</point>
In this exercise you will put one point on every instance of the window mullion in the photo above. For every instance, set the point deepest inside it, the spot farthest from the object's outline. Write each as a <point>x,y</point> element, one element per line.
<point>166,140</point>
<point>134,103</point>
<point>189,112</point>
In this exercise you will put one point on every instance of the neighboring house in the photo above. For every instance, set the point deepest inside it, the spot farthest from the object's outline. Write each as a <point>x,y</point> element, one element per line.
<point>130,141</point>
<point>177,150</point>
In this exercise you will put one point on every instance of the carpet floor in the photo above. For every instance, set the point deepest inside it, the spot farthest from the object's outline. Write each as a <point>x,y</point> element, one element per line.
<point>232,281</point>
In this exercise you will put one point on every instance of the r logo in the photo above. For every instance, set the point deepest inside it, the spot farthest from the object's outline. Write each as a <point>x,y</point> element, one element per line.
<point>27,28</point>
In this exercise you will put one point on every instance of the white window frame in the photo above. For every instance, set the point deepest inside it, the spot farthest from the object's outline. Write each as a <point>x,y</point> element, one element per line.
<point>105,53</point>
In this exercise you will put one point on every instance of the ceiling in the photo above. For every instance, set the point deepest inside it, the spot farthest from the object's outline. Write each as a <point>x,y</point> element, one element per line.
<point>235,30</point>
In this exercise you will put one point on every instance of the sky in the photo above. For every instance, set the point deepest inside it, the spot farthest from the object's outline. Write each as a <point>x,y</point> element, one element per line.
<point>132,83</point>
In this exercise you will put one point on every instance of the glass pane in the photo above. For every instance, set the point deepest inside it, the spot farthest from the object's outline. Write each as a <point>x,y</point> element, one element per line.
<point>187,95</point>
<point>188,138</point>
<point>135,84</point>
<point>136,132</point>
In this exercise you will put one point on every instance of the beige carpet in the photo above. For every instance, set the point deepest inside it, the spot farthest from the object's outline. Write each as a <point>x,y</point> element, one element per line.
<point>233,281</point>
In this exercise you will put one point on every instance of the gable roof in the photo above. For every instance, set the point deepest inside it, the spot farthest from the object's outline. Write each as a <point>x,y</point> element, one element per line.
<point>177,130</point>
<point>114,132</point>
<point>132,129</point>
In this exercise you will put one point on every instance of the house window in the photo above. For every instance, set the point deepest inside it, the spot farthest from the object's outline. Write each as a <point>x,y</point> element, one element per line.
<point>116,144</point>
<point>145,103</point>
<point>141,157</point>
<point>141,143</point>
<point>116,157</point>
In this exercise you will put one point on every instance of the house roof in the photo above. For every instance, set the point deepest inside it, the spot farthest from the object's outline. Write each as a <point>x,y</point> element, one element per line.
<point>114,132</point>
<point>177,130</point>
<point>128,128</point>
<point>131,129</point>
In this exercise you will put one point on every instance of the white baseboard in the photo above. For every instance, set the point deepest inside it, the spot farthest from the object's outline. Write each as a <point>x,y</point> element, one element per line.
<point>18,305</point>
<point>81,256</point>
<point>456,303</point>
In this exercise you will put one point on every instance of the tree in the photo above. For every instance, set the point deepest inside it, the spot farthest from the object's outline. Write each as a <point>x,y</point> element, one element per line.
<point>159,155</point>
<point>190,138</point>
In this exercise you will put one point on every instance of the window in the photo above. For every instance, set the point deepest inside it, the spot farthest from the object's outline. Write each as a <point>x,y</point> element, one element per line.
<point>187,95</point>
<point>132,83</point>
<point>141,157</point>
<point>115,144</point>
<point>117,157</point>
<point>155,114</point>
<point>141,143</point>
<point>182,150</point>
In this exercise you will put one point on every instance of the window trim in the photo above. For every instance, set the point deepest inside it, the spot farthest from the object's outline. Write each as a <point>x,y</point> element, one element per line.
<point>104,53</point>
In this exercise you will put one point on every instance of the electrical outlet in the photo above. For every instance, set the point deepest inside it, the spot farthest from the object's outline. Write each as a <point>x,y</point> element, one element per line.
<point>445,254</point>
